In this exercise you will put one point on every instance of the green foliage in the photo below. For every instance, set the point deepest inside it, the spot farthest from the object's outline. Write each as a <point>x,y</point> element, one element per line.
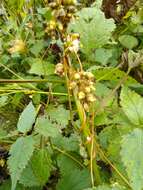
<point>132,157</point>
<point>106,187</point>
<point>132,106</point>
<point>95,31</point>
<point>59,115</point>
<point>46,128</point>
<point>74,180</point>
<point>20,154</point>
<point>128,41</point>
<point>26,119</point>
<point>40,67</point>
<point>71,95</point>
<point>38,169</point>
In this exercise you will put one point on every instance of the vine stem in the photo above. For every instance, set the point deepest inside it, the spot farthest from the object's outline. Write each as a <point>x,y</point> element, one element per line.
<point>66,61</point>
<point>81,68</point>
<point>86,134</point>
<point>102,155</point>
<point>3,81</point>
<point>68,155</point>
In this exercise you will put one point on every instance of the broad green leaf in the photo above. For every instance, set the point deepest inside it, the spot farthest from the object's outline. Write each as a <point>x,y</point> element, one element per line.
<point>132,157</point>
<point>20,153</point>
<point>111,74</point>
<point>128,41</point>
<point>6,185</point>
<point>66,164</point>
<point>26,119</point>
<point>95,30</point>
<point>46,128</point>
<point>41,67</point>
<point>103,55</point>
<point>59,115</point>
<point>74,180</point>
<point>37,47</point>
<point>132,105</point>
<point>67,143</point>
<point>38,170</point>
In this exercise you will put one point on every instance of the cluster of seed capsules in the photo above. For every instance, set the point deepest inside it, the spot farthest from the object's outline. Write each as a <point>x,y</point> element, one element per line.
<point>71,45</point>
<point>62,12</point>
<point>83,83</point>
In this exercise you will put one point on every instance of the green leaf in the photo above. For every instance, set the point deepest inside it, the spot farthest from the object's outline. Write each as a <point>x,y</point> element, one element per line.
<point>3,101</point>
<point>132,105</point>
<point>66,164</point>
<point>7,185</point>
<point>38,170</point>
<point>59,115</point>
<point>132,157</point>
<point>128,41</point>
<point>37,47</point>
<point>111,74</point>
<point>27,118</point>
<point>20,153</point>
<point>74,180</point>
<point>41,67</point>
<point>103,55</point>
<point>114,186</point>
<point>95,30</point>
<point>67,143</point>
<point>46,128</point>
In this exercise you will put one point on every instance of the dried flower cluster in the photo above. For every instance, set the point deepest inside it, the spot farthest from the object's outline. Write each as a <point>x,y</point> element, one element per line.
<point>59,70</point>
<point>83,82</point>
<point>62,12</point>
<point>18,46</point>
<point>72,43</point>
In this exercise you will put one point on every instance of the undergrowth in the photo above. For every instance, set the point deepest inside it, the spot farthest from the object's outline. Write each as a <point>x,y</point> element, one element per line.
<point>71,105</point>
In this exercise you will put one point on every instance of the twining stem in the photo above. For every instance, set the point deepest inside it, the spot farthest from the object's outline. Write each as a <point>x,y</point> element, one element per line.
<point>92,152</point>
<point>85,128</point>
<point>87,134</point>
<point>66,62</point>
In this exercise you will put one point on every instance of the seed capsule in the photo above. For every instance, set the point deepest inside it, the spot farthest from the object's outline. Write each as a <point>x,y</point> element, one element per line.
<point>52,25</point>
<point>86,107</point>
<point>92,88</point>
<point>77,76</point>
<point>72,85</point>
<point>69,2</point>
<point>59,69</point>
<point>89,75</point>
<point>91,98</point>
<point>81,95</point>
<point>87,89</point>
